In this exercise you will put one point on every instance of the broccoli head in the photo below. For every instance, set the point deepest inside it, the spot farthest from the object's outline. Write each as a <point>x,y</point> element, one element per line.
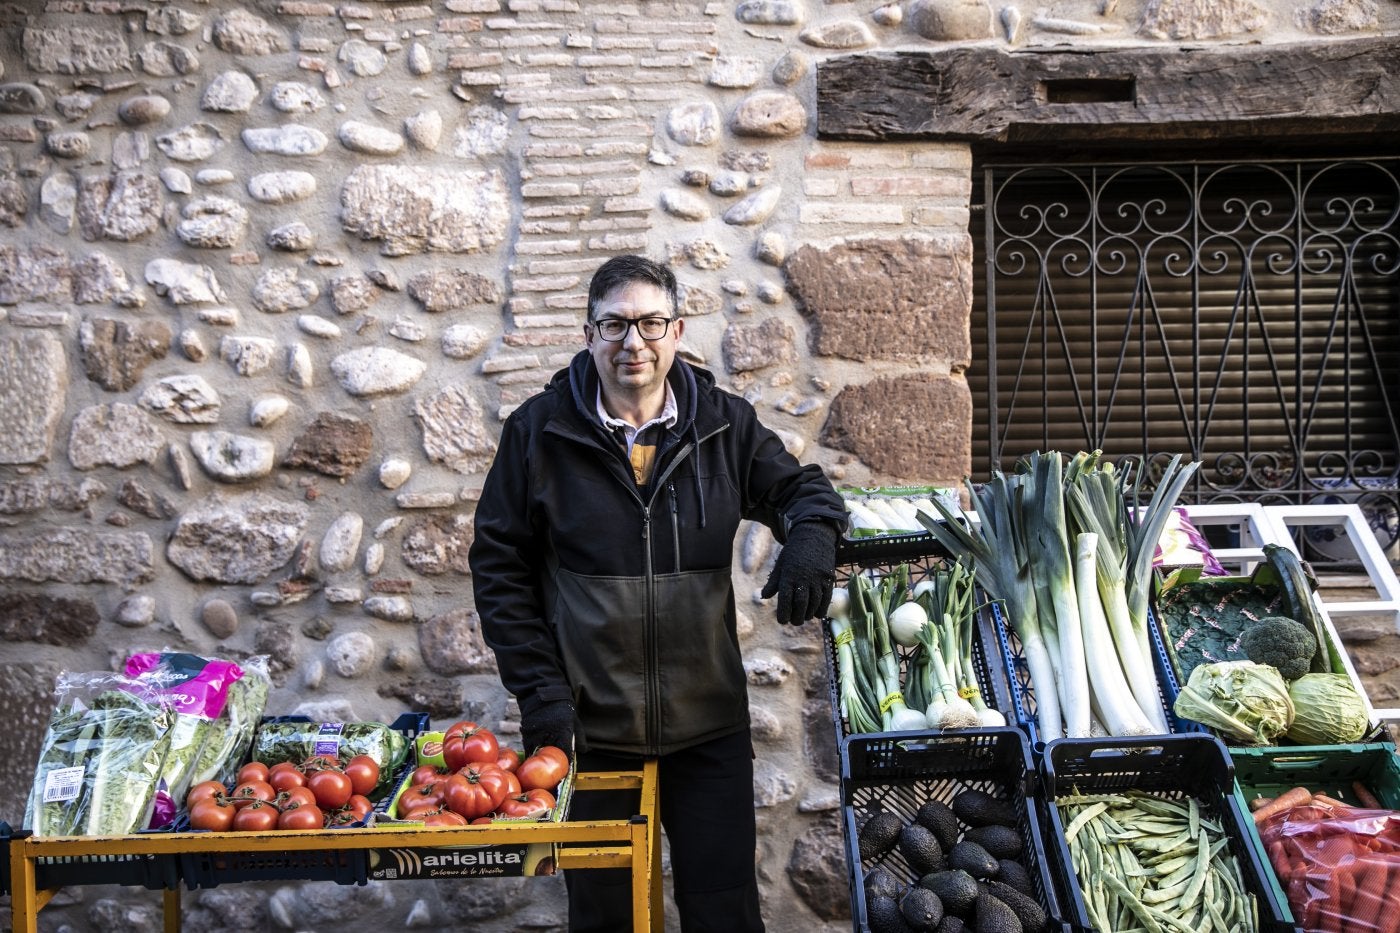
<point>1280,642</point>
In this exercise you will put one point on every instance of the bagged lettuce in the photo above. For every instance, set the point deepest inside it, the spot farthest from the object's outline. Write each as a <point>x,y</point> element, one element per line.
<point>101,757</point>
<point>233,730</point>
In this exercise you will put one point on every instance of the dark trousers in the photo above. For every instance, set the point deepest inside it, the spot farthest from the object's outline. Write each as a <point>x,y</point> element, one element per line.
<point>706,798</point>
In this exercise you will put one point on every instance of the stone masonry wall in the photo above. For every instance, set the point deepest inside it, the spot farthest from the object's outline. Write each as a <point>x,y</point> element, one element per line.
<point>272,273</point>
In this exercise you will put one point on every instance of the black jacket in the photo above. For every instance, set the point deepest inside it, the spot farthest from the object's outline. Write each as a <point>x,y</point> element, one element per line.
<point>625,605</point>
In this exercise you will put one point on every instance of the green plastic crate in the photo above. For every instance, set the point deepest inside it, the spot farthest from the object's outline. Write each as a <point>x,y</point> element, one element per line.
<point>1325,769</point>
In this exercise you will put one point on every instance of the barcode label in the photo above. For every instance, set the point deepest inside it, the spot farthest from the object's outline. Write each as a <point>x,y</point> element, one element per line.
<point>62,784</point>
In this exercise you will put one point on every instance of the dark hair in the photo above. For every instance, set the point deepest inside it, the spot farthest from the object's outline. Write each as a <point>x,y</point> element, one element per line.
<point>624,270</point>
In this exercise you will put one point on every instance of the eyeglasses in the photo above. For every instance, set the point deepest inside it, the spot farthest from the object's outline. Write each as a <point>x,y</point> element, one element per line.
<point>614,329</point>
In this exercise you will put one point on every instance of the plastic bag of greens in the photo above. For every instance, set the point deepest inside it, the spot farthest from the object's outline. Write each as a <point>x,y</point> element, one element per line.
<point>1246,701</point>
<point>101,757</point>
<point>196,689</point>
<point>232,735</point>
<point>296,738</point>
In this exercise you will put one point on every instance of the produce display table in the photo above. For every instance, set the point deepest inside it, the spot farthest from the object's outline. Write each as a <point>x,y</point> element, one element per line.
<point>633,844</point>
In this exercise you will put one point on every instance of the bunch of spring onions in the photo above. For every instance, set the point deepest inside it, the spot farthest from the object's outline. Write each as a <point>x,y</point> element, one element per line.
<point>1071,567</point>
<point>874,621</point>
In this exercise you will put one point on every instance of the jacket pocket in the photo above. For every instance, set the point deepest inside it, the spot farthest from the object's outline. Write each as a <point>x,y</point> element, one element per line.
<point>691,676</point>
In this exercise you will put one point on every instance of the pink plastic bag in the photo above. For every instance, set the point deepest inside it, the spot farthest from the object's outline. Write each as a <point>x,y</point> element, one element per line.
<point>1339,866</point>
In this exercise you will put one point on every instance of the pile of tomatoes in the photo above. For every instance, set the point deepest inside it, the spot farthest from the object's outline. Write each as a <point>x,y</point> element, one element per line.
<point>319,793</point>
<point>482,780</point>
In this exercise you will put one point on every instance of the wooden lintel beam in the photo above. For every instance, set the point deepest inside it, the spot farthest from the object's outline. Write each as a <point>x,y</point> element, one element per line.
<point>992,95</point>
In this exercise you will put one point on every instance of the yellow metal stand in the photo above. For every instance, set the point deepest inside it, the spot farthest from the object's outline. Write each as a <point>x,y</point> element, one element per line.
<point>633,844</point>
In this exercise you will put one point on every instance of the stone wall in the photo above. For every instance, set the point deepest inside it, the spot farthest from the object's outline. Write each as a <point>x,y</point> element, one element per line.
<point>271,274</point>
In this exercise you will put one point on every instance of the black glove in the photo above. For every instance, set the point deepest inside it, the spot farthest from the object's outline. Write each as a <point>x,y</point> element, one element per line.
<point>804,572</point>
<point>548,724</point>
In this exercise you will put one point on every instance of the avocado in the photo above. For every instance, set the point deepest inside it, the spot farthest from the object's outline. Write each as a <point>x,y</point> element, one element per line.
<point>883,915</point>
<point>951,924</point>
<point>1026,909</point>
<point>941,821</point>
<point>979,808</point>
<point>879,882</point>
<point>921,850</point>
<point>955,888</point>
<point>973,859</point>
<point>922,909</point>
<point>999,841</point>
<point>1015,874</point>
<point>879,835</point>
<point>993,916</point>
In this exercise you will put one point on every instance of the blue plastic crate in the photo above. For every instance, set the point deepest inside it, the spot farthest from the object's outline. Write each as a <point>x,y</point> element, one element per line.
<point>1018,679</point>
<point>925,560</point>
<point>898,773</point>
<point>1168,766</point>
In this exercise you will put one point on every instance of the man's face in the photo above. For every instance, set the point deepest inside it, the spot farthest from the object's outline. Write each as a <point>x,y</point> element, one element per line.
<point>633,367</point>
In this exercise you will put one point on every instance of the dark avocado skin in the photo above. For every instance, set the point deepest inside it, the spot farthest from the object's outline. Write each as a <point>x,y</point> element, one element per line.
<point>979,808</point>
<point>993,916</point>
<point>955,888</point>
<point>921,849</point>
<point>938,818</point>
<point>973,859</point>
<point>1026,909</point>
<point>999,841</point>
<point>882,913</point>
<point>879,835</point>
<point>922,909</point>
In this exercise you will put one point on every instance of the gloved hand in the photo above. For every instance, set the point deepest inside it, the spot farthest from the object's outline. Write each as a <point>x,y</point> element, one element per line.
<point>804,572</point>
<point>548,724</point>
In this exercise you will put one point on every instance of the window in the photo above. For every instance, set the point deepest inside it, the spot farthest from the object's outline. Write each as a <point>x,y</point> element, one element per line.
<point>1246,314</point>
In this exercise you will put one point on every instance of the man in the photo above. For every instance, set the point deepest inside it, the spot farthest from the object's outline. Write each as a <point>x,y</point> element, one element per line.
<point>601,569</point>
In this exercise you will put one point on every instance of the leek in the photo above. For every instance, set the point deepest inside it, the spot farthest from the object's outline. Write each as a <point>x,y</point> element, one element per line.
<point>1098,507</point>
<point>1116,706</point>
<point>1053,576</point>
<point>998,552</point>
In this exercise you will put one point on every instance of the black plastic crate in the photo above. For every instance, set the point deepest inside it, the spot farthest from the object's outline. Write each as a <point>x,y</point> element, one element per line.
<point>990,676</point>
<point>156,871</point>
<point>890,548</point>
<point>1018,679</point>
<point>1171,767</point>
<point>898,773</point>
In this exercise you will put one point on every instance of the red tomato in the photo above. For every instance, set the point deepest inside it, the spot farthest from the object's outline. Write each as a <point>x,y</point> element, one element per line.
<point>249,791</point>
<point>340,818</point>
<point>303,817</point>
<point>203,790</point>
<point>508,759</point>
<point>556,753</point>
<point>421,796</point>
<point>539,793</point>
<point>252,771</point>
<point>332,789</point>
<point>282,766</point>
<point>466,742</point>
<point>359,806</point>
<point>212,813</point>
<point>295,797</point>
<point>319,763</point>
<point>481,821</point>
<point>286,778</point>
<point>257,816</point>
<point>476,790</point>
<point>542,770</point>
<point>443,818</point>
<point>363,772</point>
<point>518,805</point>
<point>424,774</point>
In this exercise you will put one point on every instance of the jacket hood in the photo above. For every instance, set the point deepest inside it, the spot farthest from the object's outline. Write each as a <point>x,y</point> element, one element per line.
<point>686,381</point>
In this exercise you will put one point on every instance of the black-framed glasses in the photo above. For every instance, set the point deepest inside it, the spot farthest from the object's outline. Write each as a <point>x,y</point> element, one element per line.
<point>614,329</point>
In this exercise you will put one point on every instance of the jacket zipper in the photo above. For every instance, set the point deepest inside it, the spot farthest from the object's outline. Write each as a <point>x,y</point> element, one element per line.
<point>675,529</point>
<point>649,640</point>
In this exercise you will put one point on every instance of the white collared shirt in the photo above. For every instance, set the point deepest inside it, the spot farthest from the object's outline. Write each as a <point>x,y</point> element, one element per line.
<point>667,418</point>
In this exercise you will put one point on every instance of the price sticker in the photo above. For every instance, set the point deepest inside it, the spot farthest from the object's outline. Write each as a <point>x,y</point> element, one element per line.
<point>62,784</point>
<point>328,739</point>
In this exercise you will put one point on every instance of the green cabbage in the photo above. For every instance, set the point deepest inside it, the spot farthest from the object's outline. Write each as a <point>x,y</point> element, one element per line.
<point>1246,701</point>
<point>1328,710</point>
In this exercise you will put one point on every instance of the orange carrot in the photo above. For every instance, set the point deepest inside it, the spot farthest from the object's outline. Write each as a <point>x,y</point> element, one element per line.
<point>1326,801</point>
<point>1258,802</point>
<point>1296,797</point>
<point>1364,795</point>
